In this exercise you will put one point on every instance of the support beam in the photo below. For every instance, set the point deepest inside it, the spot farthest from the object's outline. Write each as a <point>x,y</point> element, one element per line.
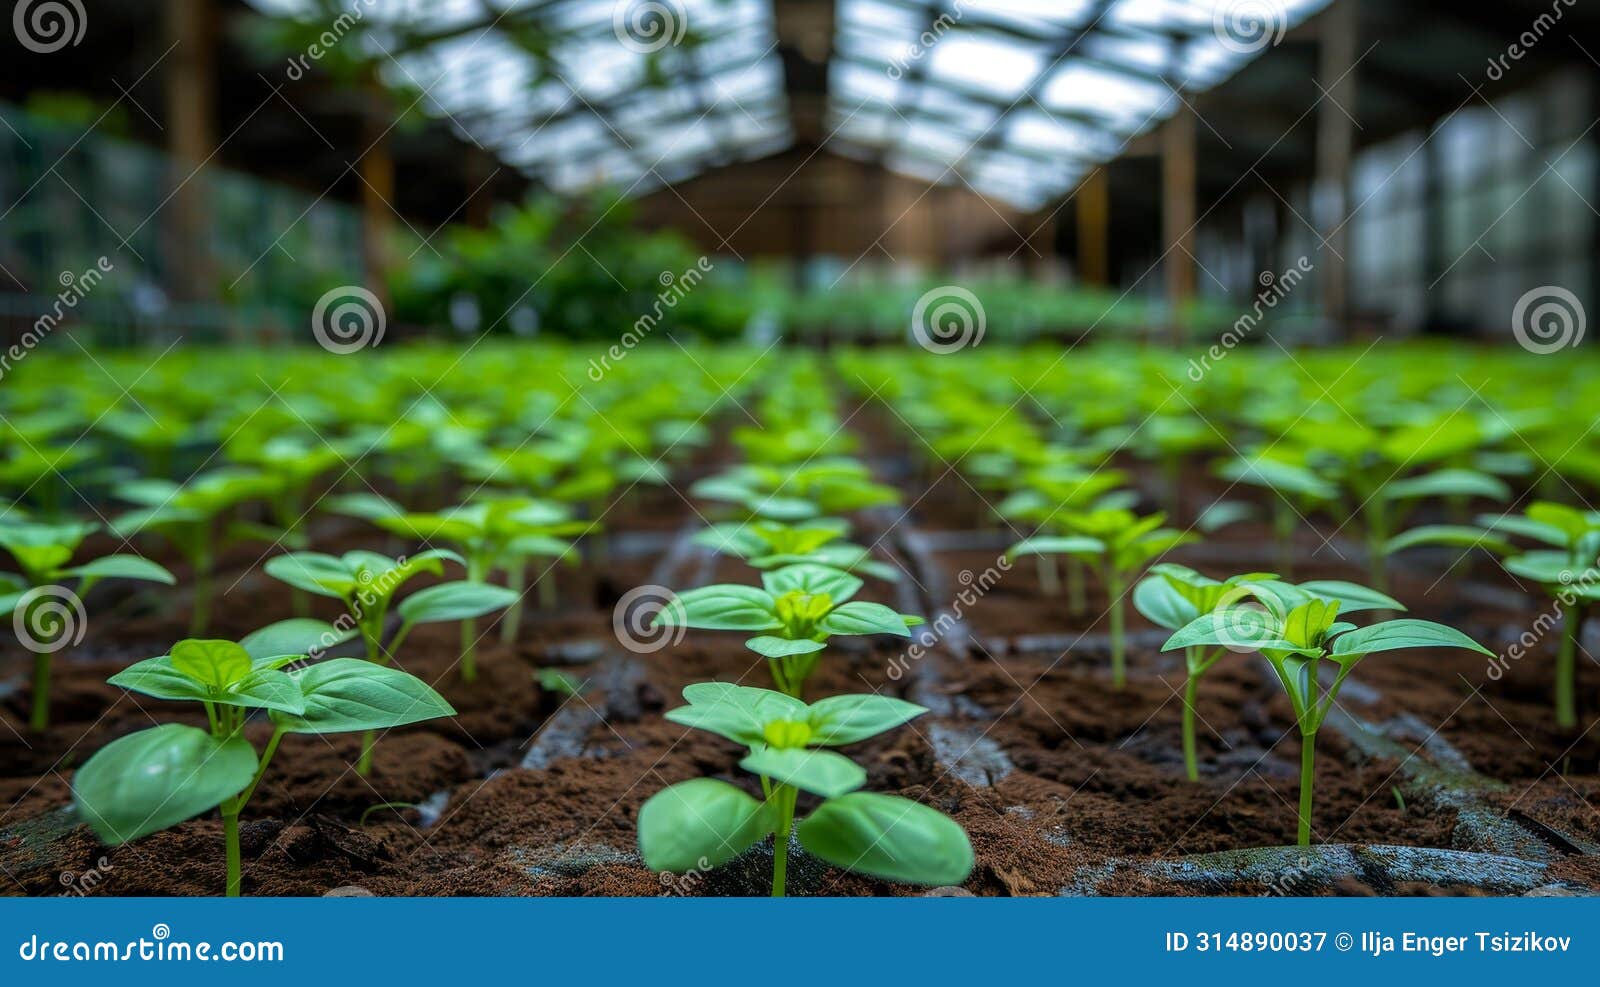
<point>190,79</point>
<point>1178,214</point>
<point>1335,145</point>
<point>1093,204</point>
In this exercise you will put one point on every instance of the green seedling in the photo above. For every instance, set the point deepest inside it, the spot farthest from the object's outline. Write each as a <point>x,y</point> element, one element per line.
<point>796,609</point>
<point>771,544</point>
<point>1296,628</point>
<point>705,822</point>
<point>778,493</point>
<point>366,584</point>
<point>187,516</point>
<point>1116,543</point>
<point>1565,573</point>
<point>1045,498</point>
<point>556,681</point>
<point>1297,491</point>
<point>51,611</point>
<point>156,778</point>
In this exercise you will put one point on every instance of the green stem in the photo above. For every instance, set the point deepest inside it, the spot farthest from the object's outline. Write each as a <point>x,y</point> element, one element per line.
<point>1283,518</point>
<point>1049,585</point>
<point>1076,599</point>
<point>41,691</point>
<point>1308,756</point>
<point>1566,710</point>
<point>230,836</point>
<point>1191,686</point>
<point>785,796</point>
<point>200,614</point>
<point>547,590</point>
<point>516,580</point>
<point>1119,672</point>
<point>364,764</point>
<point>469,650</point>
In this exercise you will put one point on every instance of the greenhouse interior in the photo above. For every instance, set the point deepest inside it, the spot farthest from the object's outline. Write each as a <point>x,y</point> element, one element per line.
<point>808,448</point>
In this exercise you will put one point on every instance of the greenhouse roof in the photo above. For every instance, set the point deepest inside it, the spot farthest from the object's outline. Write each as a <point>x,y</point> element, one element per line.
<point>1016,98</point>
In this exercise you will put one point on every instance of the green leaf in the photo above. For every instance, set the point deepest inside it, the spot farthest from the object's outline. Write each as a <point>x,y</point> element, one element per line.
<point>1351,597</point>
<point>346,694</point>
<point>1238,628</point>
<point>740,724</point>
<point>889,837</point>
<point>781,647</point>
<point>1548,568</point>
<point>820,772</point>
<point>1054,545</point>
<point>727,607</point>
<point>259,688</point>
<point>212,663</point>
<point>296,636</point>
<point>765,704</point>
<point>455,601</point>
<point>1223,513</point>
<point>1458,535</point>
<point>812,579</point>
<point>313,572</point>
<point>861,617</point>
<point>147,781</point>
<point>1161,603</point>
<point>124,567</point>
<point>698,824</point>
<point>1392,635</point>
<point>840,720</point>
<point>1512,524</point>
<point>1448,483</point>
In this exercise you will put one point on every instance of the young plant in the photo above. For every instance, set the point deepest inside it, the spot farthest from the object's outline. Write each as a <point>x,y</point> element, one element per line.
<point>1117,544</point>
<point>43,553</point>
<point>771,544</point>
<point>366,584</point>
<point>187,516</point>
<point>796,610</point>
<point>1564,572</point>
<point>1296,628</point>
<point>780,493</point>
<point>706,822</point>
<point>161,776</point>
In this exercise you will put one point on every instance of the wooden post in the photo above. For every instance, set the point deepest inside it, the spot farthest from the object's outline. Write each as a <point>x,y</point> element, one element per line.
<point>1178,214</point>
<point>1335,145</point>
<point>190,80</point>
<point>1093,204</point>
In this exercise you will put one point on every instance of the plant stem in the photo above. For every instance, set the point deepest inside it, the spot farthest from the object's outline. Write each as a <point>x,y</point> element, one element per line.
<point>516,580</point>
<point>200,612</point>
<point>41,691</point>
<point>1119,673</point>
<point>1308,756</point>
<point>785,795</point>
<point>1190,687</point>
<point>1566,711</point>
<point>1283,531</point>
<point>364,764</point>
<point>1049,585</point>
<point>1076,604</point>
<point>469,650</point>
<point>230,836</point>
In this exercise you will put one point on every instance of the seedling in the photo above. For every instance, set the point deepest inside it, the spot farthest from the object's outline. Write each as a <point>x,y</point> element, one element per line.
<point>366,584</point>
<point>1116,543</point>
<point>1564,573</point>
<point>771,544</point>
<point>1296,629</point>
<point>797,608</point>
<point>706,822</point>
<point>187,516</point>
<point>777,493</point>
<point>159,777</point>
<point>43,552</point>
<point>1043,500</point>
